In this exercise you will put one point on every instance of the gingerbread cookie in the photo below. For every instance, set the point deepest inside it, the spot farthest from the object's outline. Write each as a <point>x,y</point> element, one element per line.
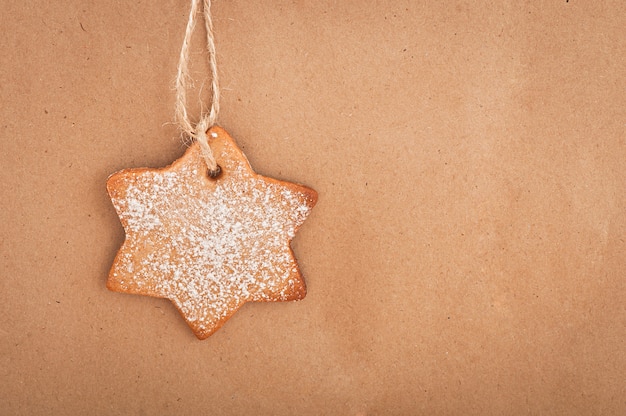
<point>208,245</point>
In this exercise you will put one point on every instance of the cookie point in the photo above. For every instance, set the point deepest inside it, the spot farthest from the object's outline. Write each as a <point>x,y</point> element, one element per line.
<point>313,196</point>
<point>214,132</point>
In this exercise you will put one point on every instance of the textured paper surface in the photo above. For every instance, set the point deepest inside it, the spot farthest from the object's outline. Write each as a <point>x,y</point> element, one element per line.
<point>467,254</point>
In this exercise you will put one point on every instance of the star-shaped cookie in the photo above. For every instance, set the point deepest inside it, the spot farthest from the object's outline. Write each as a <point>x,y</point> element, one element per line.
<point>208,245</point>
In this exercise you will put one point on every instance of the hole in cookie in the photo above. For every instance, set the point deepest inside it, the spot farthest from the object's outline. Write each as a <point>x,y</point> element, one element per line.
<point>214,173</point>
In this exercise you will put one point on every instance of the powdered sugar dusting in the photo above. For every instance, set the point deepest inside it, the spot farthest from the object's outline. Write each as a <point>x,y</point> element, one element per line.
<point>209,246</point>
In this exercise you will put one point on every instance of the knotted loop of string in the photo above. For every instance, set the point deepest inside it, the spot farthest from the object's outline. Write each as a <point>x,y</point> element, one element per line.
<point>207,119</point>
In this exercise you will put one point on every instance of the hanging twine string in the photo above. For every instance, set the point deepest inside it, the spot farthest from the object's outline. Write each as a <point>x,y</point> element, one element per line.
<point>207,120</point>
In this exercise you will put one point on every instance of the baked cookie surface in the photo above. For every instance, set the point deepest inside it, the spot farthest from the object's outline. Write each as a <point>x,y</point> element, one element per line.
<point>208,245</point>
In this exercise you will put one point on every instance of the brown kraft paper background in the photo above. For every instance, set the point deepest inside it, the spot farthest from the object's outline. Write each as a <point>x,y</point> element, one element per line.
<point>467,254</point>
